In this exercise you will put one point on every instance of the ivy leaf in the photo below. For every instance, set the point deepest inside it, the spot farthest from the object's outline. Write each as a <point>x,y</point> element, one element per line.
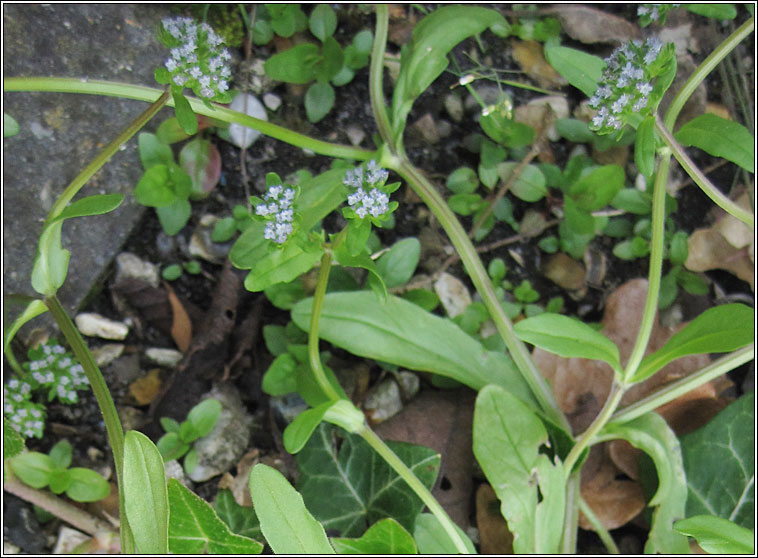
<point>240,519</point>
<point>386,536</point>
<point>194,527</point>
<point>353,487</point>
<point>719,462</point>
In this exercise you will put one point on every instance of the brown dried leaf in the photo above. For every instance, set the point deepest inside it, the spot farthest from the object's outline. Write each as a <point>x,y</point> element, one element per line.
<point>590,26</point>
<point>708,249</point>
<point>441,420</point>
<point>146,388</point>
<point>529,55</point>
<point>564,271</point>
<point>494,535</point>
<point>181,326</point>
<point>239,483</point>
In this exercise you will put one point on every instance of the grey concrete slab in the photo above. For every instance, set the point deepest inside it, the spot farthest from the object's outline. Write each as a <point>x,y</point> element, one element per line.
<point>61,133</point>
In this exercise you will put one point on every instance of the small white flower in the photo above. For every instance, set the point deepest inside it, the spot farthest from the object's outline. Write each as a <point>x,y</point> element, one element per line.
<point>180,80</point>
<point>22,413</point>
<point>58,350</point>
<point>38,376</point>
<point>25,388</point>
<point>76,369</point>
<point>8,408</point>
<point>622,82</point>
<point>36,413</point>
<point>620,103</point>
<point>195,72</point>
<point>642,10</point>
<point>64,380</point>
<point>47,349</point>
<point>644,88</point>
<point>640,104</point>
<point>13,383</point>
<point>16,427</point>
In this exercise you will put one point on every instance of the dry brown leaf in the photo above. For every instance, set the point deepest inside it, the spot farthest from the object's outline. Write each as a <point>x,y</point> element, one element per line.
<point>239,483</point>
<point>441,420</point>
<point>181,326</point>
<point>146,388</point>
<point>494,535</point>
<point>708,249</point>
<point>589,25</point>
<point>530,57</point>
<point>564,271</point>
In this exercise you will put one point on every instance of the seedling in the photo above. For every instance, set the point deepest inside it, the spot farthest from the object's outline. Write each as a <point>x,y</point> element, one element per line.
<point>179,437</point>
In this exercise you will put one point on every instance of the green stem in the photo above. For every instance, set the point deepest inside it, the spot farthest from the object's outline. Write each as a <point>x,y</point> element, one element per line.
<point>376,90</point>
<point>700,179</point>
<point>103,157</point>
<point>218,112</point>
<point>648,317</point>
<point>600,529</point>
<point>685,385</point>
<point>571,517</point>
<point>704,69</point>
<point>418,487</point>
<point>479,277</point>
<point>318,302</point>
<point>104,402</point>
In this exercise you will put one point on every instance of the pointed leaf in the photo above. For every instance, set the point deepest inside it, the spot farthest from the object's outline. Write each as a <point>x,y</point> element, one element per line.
<point>86,485</point>
<point>432,538</point>
<point>568,337</point>
<point>33,468</point>
<point>184,113</point>
<point>717,535</point>
<point>195,528</point>
<point>717,330</point>
<point>644,147</point>
<point>92,205</point>
<point>145,496</point>
<point>580,69</point>
<point>386,536</point>
<point>398,265</point>
<point>721,138</point>
<point>51,265</point>
<point>153,151</point>
<point>288,526</point>
<point>352,488</point>
<point>719,460</point>
<point>299,430</point>
<point>204,415</point>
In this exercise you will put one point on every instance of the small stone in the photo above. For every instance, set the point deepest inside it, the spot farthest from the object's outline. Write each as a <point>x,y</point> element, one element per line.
<point>95,325</point>
<point>564,271</point>
<point>427,128</point>
<point>163,357</point>
<point>287,407</point>
<point>130,266</point>
<point>272,101</point>
<point>68,540</point>
<point>444,128</point>
<point>409,383</point>
<point>165,244</point>
<point>242,136</point>
<point>489,94</point>
<point>355,134</point>
<point>453,294</point>
<point>383,401</point>
<point>174,470</point>
<point>454,106</point>
<point>105,354</point>
<point>201,244</point>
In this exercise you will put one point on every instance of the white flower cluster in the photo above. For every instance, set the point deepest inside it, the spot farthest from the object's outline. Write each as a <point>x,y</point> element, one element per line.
<point>368,199</point>
<point>626,84</point>
<point>199,62</point>
<point>52,368</point>
<point>654,12</point>
<point>278,211</point>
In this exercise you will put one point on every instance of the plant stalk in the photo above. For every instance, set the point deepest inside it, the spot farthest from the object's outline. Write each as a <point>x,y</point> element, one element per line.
<point>600,529</point>
<point>418,487</point>
<point>571,516</point>
<point>376,90</point>
<point>318,302</point>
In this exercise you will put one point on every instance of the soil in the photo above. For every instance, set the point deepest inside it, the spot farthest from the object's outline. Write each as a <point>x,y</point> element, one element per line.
<point>82,424</point>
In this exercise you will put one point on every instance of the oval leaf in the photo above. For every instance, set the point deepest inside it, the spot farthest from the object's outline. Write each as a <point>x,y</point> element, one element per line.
<point>184,114</point>
<point>33,468</point>
<point>92,205</point>
<point>288,526</point>
<point>580,69</point>
<point>717,330</point>
<point>644,147</point>
<point>299,430</point>
<point>397,266</point>
<point>295,65</point>
<point>568,337</point>
<point>717,535</point>
<point>432,538</point>
<point>721,138</point>
<point>323,21</point>
<point>530,186</point>
<point>145,494</point>
<point>86,485</point>
<point>319,100</point>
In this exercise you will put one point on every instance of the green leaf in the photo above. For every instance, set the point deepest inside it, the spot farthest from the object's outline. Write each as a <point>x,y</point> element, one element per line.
<point>204,415</point>
<point>288,526</point>
<point>170,132</point>
<point>580,69</point>
<point>529,186</point>
<point>323,22</point>
<point>319,100</point>
<point>224,230</point>
<point>33,468</point>
<point>184,113</point>
<point>432,538</point>
<point>425,58</point>
<point>426,299</point>
<point>401,333</point>
<point>693,283</point>
<point>169,425</point>
<point>354,487</point>
<point>596,189</point>
<point>651,434</point>
<point>92,205</point>
<point>60,480</point>
<point>463,180</point>
<point>194,527</point>
<point>32,310</point>
<point>719,460</point>
<point>578,219</point>
<point>644,147</point>
<point>574,130</point>
<point>507,441</point>
<point>465,204</point>
<point>568,337</point>
<point>240,519</point>
<point>10,126</point>
<point>60,454</point>
<point>201,161</point>
<point>171,446</point>
<point>717,330</point>
<point>51,265</point>
<point>397,266</point>
<point>280,377</point>
<point>296,65</point>
<point>386,536</point>
<point>282,265</point>
<point>154,188</point>
<point>717,535</point>
<point>86,485</point>
<point>174,216</point>
<point>506,131</point>
<point>721,138</point>
<point>299,430</point>
<point>715,11</point>
<point>679,248</point>
<point>153,151</point>
<point>332,60</point>
<point>13,442</point>
<point>145,496</point>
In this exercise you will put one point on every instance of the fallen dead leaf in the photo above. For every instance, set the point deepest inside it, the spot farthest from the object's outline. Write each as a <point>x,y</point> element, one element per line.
<point>146,388</point>
<point>708,249</point>
<point>564,271</point>
<point>441,420</point>
<point>589,26</point>
<point>529,55</point>
<point>494,535</point>
<point>181,326</point>
<point>239,483</point>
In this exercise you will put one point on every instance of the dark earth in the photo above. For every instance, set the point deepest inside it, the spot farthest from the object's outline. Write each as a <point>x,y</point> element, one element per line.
<point>82,424</point>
